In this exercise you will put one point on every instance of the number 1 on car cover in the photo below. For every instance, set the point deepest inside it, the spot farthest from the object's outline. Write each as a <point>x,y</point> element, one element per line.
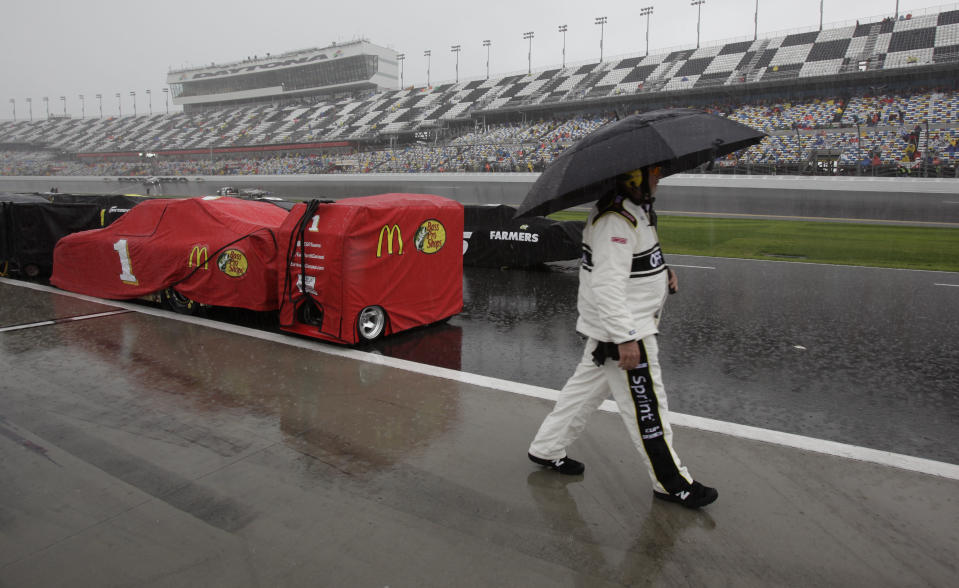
<point>126,268</point>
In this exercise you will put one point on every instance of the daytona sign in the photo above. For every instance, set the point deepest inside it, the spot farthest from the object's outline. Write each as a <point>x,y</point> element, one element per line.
<point>259,66</point>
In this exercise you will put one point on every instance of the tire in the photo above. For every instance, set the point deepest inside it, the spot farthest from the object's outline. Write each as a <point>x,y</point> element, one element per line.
<point>179,303</point>
<point>310,314</point>
<point>371,323</point>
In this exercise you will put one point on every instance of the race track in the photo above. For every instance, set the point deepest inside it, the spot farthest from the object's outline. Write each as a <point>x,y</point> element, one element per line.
<point>864,356</point>
<point>931,200</point>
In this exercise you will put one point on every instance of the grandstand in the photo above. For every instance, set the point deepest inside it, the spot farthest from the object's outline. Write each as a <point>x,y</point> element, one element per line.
<point>874,95</point>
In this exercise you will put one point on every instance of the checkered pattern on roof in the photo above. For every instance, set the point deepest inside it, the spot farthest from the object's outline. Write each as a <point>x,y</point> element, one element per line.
<point>628,63</point>
<point>735,48</point>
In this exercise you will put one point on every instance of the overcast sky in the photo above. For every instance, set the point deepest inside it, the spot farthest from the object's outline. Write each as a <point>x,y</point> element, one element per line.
<point>57,48</point>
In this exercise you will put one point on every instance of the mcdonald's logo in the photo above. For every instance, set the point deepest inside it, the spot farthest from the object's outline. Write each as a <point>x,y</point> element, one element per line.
<point>199,255</point>
<point>389,232</point>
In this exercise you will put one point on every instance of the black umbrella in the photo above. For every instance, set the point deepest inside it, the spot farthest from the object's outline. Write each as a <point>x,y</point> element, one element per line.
<point>678,139</point>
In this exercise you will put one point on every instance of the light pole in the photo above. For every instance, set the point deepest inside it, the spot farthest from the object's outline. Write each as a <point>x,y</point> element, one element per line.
<point>166,99</point>
<point>562,29</point>
<point>820,14</point>
<point>83,107</point>
<point>134,96</point>
<point>456,49</point>
<point>46,102</point>
<point>119,106</point>
<point>13,101</point>
<point>100,101</point>
<point>427,54</point>
<point>486,43</point>
<point>30,106</point>
<point>699,16</point>
<point>401,57</point>
<point>601,21</point>
<point>756,22</point>
<point>150,101</point>
<point>529,35</point>
<point>646,11</point>
<point>64,100</point>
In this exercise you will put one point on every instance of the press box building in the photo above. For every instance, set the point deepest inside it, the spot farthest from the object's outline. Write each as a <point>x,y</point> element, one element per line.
<point>344,69</point>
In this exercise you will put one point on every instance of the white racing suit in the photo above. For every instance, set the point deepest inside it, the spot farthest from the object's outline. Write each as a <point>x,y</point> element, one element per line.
<point>622,288</point>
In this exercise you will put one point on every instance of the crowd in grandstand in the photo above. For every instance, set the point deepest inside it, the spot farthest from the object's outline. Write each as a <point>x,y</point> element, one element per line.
<point>893,128</point>
<point>443,128</point>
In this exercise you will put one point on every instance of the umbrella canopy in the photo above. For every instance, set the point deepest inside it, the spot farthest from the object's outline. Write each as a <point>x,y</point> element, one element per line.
<point>676,138</point>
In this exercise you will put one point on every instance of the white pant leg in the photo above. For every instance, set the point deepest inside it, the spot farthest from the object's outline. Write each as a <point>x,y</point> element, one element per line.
<point>580,397</point>
<point>641,397</point>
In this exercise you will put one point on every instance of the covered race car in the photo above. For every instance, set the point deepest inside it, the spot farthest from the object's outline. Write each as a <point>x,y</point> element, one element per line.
<point>31,225</point>
<point>364,267</point>
<point>494,238</point>
<point>213,250</point>
<point>373,266</point>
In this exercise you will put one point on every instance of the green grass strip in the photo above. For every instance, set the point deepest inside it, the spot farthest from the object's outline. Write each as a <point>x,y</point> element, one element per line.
<point>926,248</point>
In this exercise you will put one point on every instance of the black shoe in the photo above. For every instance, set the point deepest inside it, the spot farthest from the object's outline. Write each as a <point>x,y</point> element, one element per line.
<point>564,465</point>
<point>695,496</point>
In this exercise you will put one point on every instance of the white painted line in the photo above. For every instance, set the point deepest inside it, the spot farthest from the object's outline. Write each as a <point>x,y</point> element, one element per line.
<point>61,320</point>
<point>829,219</point>
<point>692,266</point>
<point>824,265</point>
<point>950,285</point>
<point>832,448</point>
<point>30,326</point>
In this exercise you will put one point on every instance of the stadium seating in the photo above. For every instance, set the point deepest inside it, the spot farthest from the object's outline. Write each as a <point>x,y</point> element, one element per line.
<point>797,128</point>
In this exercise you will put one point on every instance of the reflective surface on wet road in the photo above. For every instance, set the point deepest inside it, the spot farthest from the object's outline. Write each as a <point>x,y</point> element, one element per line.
<point>139,450</point>
<point>864,356</point>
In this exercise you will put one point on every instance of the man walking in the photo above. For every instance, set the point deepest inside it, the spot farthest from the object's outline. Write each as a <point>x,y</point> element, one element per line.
<point>623,285</point>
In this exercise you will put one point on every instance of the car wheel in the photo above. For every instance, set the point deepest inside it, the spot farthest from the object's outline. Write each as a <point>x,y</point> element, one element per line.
<point>179,303</point>
<point>371,323</point>
<point>311,314</point>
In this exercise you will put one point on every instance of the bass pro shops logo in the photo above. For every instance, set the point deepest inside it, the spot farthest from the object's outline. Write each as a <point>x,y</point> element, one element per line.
<point>430,237</point>
<point>233,263</point>
<point>390,232</point>
<point>199,257</point>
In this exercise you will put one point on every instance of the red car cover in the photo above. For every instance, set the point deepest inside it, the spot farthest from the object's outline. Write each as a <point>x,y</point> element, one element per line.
<point>401,252</point>
<point>217,251</point>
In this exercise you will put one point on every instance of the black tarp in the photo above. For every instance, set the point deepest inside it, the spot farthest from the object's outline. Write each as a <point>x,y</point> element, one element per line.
<point>286,205</point>
<point>493,238</point>
<point>30,225</point>
<point>7,229</point>
<point>112,206</point>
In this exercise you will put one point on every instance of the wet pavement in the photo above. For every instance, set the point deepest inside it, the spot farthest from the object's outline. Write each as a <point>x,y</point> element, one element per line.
<point>136,450</point>
<point>864,356</point>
